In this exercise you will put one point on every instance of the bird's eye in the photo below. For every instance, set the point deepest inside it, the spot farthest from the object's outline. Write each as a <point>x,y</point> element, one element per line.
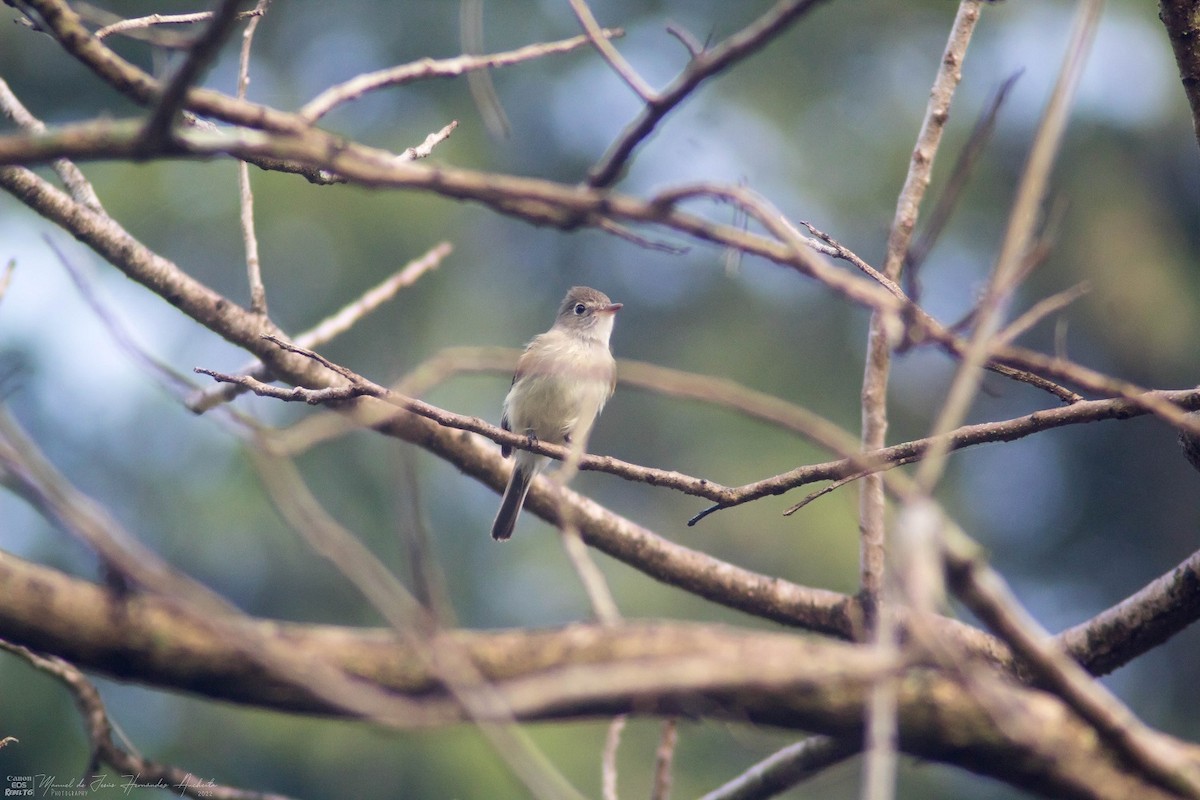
<point>579,309</point>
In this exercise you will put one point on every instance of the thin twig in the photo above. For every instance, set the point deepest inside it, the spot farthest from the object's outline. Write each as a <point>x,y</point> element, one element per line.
<point>425,148</point>
<point>258,292</point>
<point>176,383</point>
<point>628,235</point>
<point>693,45</point>
<point>428,68</point>
<point>138,771</point>
<point>600,596</point>
<point>664,757</point>
<point>6,276</point>
<point>1023,219</point>
<point>716,390</point>
<point>824,243</point>
<point>610,53</point>
<point>784,769</point>
<point>947,201</point>
<point>479,82</point>
<point>428,578</point>
<point>608,760</point>
<point>155,135</point>
<point>1040,310</point>
<point>882,334</point>
<point>333,326</point>
<point>704,65</point>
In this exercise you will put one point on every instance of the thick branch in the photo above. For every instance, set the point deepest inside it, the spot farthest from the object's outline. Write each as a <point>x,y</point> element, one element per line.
<point>1139,623</point>
<point>577,672</point>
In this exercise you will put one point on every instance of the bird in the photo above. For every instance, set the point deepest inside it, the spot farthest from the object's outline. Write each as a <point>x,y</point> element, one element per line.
<point>563,379</point>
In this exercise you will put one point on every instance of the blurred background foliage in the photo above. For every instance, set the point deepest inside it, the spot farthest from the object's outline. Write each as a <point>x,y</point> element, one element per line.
<point>822,123</point>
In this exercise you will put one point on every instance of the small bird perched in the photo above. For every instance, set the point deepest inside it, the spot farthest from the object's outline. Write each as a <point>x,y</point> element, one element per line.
<point>563,379</point>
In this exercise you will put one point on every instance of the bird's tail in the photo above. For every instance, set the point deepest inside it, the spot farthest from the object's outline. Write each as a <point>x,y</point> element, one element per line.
<point>514,498</point>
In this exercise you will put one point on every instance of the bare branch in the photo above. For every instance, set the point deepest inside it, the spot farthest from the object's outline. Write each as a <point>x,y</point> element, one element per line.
<point>1082,744</point>
<point>126,26</point>
<point>968,435</point>
<point>1019,234</point>
<point>610,54</point>
<point>428,68</point>
<point>80,188</point>
<point>140,771</point>
<point>1179,17</point>
<point>258,293</point>
<point>882,334</point>
<point>61,21</point>
<point>141,573</point>
<point>538,201</point>
<point>445,659</point>
<point>611,533</point>
<point>744,43</point>
<point>547,203</point>
<point>664,756</point>
<point>1139,623</point>
<point>425,148</point>
<point>947,201</point>
<point>725,497</point>
<point>581,671</point>
<point>784,769</point>
<point>333,326</point>
<point>600,596</point>
<point>608,761</point>
<point>170,102</point>
<point>479,82</point>
<point>824,243</point>
<point>988,596</point>
<point>1043,308</point>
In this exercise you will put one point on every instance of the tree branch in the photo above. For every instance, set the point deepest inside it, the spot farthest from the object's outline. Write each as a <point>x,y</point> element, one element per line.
<point>787,767</point>
<point>578,672</point>
<point>1139,623</point>
<point>1183,28</point>
<point>988,596</point>
<point>428,68</point>
<point>138,771</point>
<point>157,133</point>
<point>966,436</point>
<point>609,53</point>
<point>703,66</point>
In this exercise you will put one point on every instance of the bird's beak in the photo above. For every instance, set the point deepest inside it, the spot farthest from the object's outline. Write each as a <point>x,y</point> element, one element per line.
<point>611,308</point>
